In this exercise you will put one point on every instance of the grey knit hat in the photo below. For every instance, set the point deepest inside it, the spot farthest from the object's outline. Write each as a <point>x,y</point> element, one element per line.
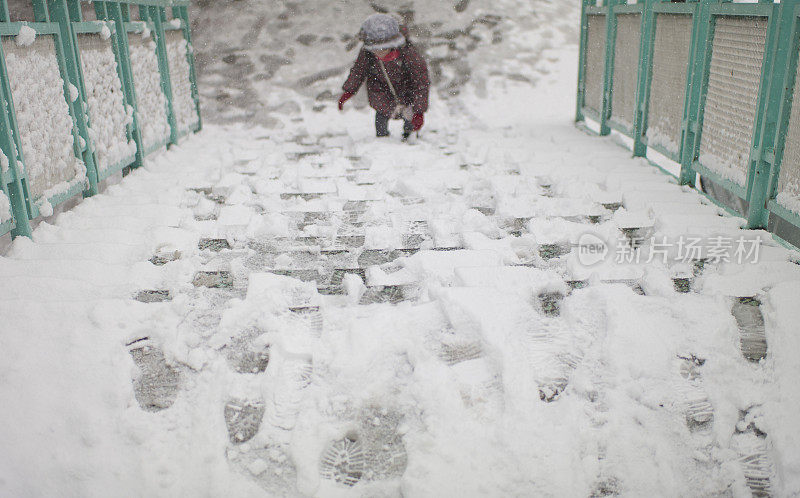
<point>381,31</point>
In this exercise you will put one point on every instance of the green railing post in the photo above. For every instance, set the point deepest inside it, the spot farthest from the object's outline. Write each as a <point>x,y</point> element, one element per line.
<point>608,72</point>
<point>40,13</point>
<point>583,39</point>
<point>17,189</point>
<point>72,73</point>
<point>646,40</point>
<point>768,143</point>
<point>119,14</point>
<point>157,16</point>
<point>699,61</point>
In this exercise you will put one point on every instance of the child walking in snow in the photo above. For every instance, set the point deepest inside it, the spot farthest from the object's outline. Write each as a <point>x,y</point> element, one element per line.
<point>396,75</point>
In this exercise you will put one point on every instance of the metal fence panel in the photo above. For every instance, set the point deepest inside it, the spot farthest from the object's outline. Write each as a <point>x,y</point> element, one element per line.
<point>182,100</point>
<point>151,102</point>
<point>789,179</point>
<point>109,117</point>
<point>626,69</point>
<point>43,118</point>
<point>673,40</point>
<point>733,88</point>
<point>595,62</point>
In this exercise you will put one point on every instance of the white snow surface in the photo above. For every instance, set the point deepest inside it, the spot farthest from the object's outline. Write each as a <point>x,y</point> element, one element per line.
<point>789,200</point>
<point>26,36</point>
<point>151,102</point>
<point>5,208</point>
<point>4,163</point>
<point>108,115</point>
<point>182,102</point>
<point>446,391</point>
<point>43,118</point>
<point>726,169</point>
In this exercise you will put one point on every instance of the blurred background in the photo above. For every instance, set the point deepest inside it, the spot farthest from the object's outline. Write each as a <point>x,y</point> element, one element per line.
<point>249,51</point>
<point>264,61</point>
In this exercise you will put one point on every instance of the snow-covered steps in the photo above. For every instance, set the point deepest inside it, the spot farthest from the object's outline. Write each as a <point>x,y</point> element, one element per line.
<point>696,403</point>
<point>343,462</point>
<point>377,257</point>
<point>550,303</point>
<point>308,317</point>
<point>211,194</point>
<point>247,353</point>
<point>163,257</point>
<point>752,332</point>
<point>243,419</point>
<point>220,279</point>
<point>374,450</point>
<point>553,251</point>
<point>158,383</point>
<point>283,406</point>
<point>214,245</point>
<point>392,294</point>
<point>682,284</point>
<point>755,462</point>
<point>456,350</point>
<point>153,296</point>
<point>366,359</point>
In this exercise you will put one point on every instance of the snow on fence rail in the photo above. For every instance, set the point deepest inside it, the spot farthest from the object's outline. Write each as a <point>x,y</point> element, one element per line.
<point>147,80</point>
<point>83,100</point>
<point>710,85</point>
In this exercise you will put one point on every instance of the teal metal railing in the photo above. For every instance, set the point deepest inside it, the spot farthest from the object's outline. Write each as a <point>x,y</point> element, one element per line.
<point>707,83</point>
<point>119,79</point>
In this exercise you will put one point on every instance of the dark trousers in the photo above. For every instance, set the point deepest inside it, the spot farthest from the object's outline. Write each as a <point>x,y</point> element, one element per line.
<point>382,126</point>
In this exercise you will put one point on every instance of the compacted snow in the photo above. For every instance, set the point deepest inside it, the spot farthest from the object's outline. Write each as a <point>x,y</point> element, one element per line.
<point>505,306</point>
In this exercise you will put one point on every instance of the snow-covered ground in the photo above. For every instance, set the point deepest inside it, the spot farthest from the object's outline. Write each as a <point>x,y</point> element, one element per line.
<point>305,310</point>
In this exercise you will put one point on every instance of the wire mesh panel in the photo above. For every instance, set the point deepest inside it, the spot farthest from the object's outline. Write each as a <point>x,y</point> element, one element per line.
<point>789,178</point>
<point>43,118</point>
<point>626,69</point>
<point>5,204</point>
<point>182,101</point>
<point>150,100</point>
<point>668,86</point>
<point>595,62</point>
<point>737,55</point>
<point>108,114</point>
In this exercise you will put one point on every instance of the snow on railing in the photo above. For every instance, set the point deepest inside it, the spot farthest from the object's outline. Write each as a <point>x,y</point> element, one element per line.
<point>110,117</point>
<point>84,100</point>
<point>5,208</point>
<point>45,127</point>
<point>708,84</point>
<point>182,99</point>
<point>150,96</point>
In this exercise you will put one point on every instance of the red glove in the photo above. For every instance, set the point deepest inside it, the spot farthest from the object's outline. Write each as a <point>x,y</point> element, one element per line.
<point>344,98</point>
<point>418,121</point>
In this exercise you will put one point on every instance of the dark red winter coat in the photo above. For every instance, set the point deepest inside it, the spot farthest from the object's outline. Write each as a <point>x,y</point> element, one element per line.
<point>409,76</point>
